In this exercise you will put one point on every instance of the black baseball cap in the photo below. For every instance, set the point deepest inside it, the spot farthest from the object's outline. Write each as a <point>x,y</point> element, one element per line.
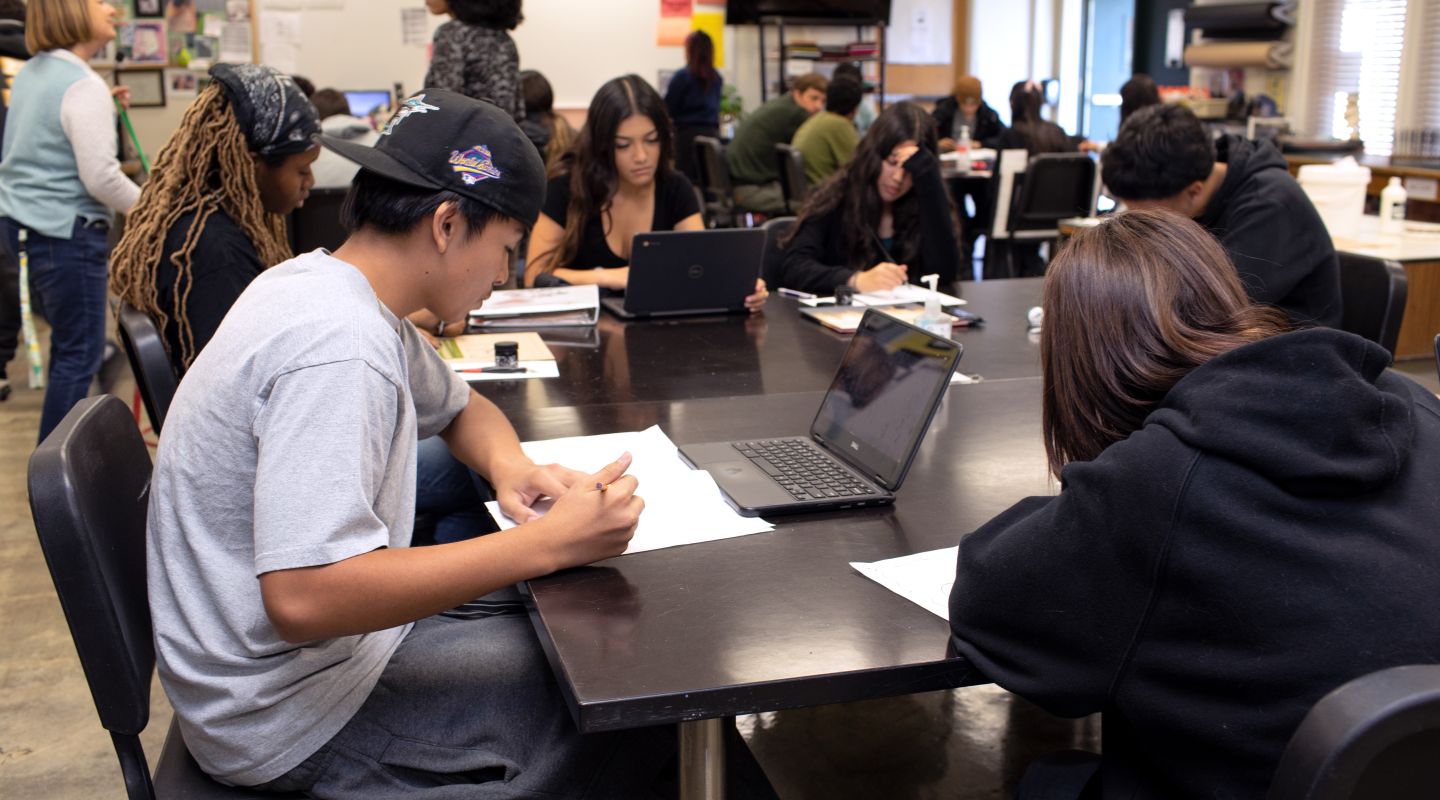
<point>449,142</point>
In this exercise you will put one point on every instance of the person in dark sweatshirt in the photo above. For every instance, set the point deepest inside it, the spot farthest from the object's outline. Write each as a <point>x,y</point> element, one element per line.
<point>1243,193</point>
<point>12,45</point>
<point>964,108</point>
<point>883,219</point>
<point>1246,518</point>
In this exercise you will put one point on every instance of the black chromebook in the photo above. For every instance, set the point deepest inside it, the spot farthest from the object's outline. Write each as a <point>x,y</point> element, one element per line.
<point>674,273</point>
<point>866,434</point>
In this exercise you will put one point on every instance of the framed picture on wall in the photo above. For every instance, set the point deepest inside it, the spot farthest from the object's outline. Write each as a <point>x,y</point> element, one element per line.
<point>149,44</point>
<point>149,8</point>
<point>147,86</point>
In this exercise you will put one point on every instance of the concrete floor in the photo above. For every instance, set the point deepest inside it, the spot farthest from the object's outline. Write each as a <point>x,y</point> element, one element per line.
<point>961,745</point>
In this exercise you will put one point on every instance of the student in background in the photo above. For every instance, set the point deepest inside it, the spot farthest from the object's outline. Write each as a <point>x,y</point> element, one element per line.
<point>1137,93</point>
<point>881,220</point>
<point>693,100</point>
<point>303,644</point>
<point>751,156</point>
<point>212,216</point>
<point>61,183</point>
<point>964,108</point>
<point>12,46</point>
<point>1245,522</point>
<point>865,113</point>
<point>473,53</point>
<point>619,182</point>
<point>1243,193</point>
<point>330,170</point>
<point>1028,130</point>
<point>828,139</point>
<point>550,132</point>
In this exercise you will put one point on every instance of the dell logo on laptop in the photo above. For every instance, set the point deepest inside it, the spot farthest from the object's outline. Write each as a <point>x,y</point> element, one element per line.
<point>855,446</point>
<point>696,271</point>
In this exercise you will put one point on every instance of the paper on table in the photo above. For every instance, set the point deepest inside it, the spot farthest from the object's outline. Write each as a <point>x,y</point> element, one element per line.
<point>533,369</point>
<point>904,293</point>
<point>682,505</point>
<point>924,579</point>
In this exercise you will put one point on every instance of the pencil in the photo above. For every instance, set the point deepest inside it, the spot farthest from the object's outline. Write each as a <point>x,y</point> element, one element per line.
<point>600,487</point>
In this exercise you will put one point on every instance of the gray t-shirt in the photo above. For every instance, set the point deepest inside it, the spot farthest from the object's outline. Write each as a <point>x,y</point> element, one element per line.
<point>291,443</point>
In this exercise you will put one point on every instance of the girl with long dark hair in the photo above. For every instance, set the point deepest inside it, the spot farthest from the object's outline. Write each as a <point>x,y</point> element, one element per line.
<point>883,219</point>
<point>1028,130</point>
<point>693,99</point>
<point>618,182</point>
<point>1246,517</point>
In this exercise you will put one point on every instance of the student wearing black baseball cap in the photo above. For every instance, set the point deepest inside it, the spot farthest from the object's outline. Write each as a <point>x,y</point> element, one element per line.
<point>289,454</point>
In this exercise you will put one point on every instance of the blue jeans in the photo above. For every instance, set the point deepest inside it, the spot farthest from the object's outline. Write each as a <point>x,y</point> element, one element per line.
<point>449,495</point>
<point>68,279</point>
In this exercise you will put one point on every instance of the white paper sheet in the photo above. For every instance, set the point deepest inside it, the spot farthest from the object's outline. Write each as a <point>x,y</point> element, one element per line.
<point>922,578</point>
<point>904,293</point>
<point>280,34</point>
<point>682,505</point>
<point>414,27</point>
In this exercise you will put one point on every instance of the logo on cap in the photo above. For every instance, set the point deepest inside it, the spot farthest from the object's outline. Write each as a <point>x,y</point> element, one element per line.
<point>415,105</point>
<point>474,165</point>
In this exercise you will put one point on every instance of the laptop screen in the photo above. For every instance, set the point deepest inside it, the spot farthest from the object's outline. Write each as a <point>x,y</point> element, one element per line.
<point>364,101</point>
<point>888,386</point>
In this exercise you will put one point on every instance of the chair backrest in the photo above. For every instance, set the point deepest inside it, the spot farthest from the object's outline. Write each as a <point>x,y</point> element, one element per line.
<point>775,230</point>
<point>715,173</point>
<point>1009,165</point>
<point>317,223</point>
<point>1375,737</point>
<point>1372,292</point>
<point>154,373</point>
<point>1437,355</point>
<point>1056,186</point>
<point>89,486</point>
<point>793,183</point>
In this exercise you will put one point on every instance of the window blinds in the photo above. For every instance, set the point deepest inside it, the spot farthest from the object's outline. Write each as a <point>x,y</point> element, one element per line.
<point>1357,46</point>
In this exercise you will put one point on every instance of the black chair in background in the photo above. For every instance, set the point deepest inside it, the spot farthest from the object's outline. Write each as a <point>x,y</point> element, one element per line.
<point>89,487</point>
<point>317,223</point>
<point>775,230</point>
<point>1373,291</point>
<point>1377,736</point>
<point>793,183</point>
<point>1053,186</point>
<point>715,182</point>
<point>154,374</point>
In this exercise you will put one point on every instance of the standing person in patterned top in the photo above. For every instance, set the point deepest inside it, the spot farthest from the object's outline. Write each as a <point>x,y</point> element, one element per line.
<point>473,53</point>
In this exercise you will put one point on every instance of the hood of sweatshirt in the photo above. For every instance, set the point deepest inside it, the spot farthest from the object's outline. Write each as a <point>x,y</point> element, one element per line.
<point>1312,410</point>
<point>1243,159</point>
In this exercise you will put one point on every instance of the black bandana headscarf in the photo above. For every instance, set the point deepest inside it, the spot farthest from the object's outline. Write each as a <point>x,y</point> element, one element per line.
<point>272,111</point>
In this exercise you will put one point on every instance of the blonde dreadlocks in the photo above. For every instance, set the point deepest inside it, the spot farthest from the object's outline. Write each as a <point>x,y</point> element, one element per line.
<point>205,168</point>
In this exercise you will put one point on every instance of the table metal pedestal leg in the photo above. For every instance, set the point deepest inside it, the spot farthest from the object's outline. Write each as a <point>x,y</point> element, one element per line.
<point>702,759</point>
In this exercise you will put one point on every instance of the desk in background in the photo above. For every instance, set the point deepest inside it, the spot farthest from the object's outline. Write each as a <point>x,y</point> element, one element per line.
<point>694,634</point>
<point>1418,251</point>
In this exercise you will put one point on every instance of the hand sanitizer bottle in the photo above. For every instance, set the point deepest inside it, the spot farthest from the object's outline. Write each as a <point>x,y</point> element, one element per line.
<point>962,150</point>
<point>1392,208</point>
<point>933,320</point>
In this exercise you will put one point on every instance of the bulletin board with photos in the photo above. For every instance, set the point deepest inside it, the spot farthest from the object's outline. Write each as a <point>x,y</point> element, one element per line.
<point>164,48</point>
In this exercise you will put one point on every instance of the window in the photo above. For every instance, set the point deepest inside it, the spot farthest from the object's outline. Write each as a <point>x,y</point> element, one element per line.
<point>1358,44</point>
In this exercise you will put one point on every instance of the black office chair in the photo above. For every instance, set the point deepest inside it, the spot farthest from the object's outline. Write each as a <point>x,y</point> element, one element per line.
<point>775,230</point>
<point>154,374</point>
<point>715,182</point>
<point>89,487</point>
<point>1054,186</point>
<point>317,223</point>
<point>793,183</point>
<point>1375,737</point>
<point>1372,291</point>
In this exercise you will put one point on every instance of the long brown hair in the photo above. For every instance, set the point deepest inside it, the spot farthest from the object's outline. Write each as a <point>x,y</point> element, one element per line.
<point>205,168</point>
<point>1131,307</point>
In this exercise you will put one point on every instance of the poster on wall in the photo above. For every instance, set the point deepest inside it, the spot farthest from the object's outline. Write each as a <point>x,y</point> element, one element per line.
<point>181,16</point>
<point>713,23</point>
<point>181,84</point>
<point>149,8</point>
<point>674,24</point>
<point>149,44</point>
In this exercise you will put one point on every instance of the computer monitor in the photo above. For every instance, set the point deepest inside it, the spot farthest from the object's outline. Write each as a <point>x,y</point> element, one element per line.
<point>364,101</point>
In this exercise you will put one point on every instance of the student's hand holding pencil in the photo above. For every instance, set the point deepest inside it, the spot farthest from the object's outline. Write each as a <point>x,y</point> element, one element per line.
<point>596,518</point>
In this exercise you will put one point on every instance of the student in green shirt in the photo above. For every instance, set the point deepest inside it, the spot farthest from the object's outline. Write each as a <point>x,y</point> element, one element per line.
<point>828,139</point>
<point>751,155</point>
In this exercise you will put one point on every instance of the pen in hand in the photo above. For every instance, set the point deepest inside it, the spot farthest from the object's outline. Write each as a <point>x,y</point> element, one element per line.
<point>601,487</point>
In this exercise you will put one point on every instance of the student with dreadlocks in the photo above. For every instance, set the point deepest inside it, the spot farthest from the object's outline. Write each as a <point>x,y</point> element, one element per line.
<point>211,217</point>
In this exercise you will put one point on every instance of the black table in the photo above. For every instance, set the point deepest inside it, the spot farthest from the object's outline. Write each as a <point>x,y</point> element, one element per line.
<point>696,634</point>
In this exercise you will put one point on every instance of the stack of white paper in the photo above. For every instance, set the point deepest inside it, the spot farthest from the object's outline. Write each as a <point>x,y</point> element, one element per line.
<point>682,505</point>
<point>922,578</point>
<point>900,295</point>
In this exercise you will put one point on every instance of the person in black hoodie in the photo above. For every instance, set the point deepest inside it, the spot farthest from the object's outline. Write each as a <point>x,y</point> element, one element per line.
<point>12,45</point>
<point>881,219</point>
<point>1243,193</point>
<point>1246,518</point>
<point>965,108</point>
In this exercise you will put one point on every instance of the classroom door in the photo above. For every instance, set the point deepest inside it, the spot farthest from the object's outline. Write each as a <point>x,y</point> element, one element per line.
<point>1109,54</point>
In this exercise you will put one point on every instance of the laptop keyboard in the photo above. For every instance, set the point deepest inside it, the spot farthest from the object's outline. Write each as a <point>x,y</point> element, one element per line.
<point>803,471</point>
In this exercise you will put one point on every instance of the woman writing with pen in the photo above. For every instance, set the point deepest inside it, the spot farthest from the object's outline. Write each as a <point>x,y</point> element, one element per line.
<point>881,220</point>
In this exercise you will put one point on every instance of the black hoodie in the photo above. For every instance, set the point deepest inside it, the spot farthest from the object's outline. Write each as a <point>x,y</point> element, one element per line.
<point>12,45</point>
<point>1271,532</point>
<point>1273,233</point>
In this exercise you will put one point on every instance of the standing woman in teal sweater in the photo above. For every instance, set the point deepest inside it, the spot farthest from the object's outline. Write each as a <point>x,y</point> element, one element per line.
<point>60,185</point>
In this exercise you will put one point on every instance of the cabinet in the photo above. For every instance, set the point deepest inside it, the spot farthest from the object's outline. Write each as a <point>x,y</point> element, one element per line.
<point>868,50</point>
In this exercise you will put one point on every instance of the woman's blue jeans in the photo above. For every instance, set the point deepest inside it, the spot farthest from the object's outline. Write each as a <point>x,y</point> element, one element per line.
<point>68,280</point>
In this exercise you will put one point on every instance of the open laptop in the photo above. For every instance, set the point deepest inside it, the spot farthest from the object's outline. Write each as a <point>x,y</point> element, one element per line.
<point>863,439</point>
<point>690,272</point>
<point>364,101</point>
